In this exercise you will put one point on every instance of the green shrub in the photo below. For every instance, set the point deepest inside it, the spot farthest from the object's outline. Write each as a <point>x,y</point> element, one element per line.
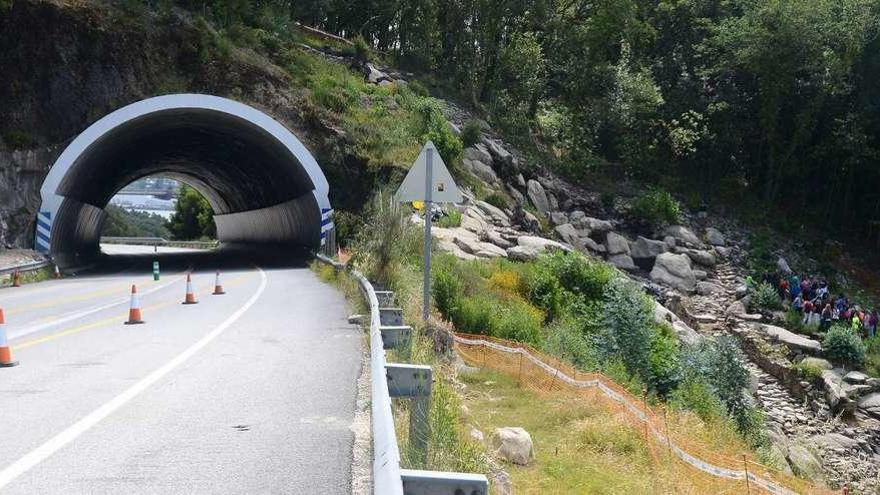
<point>542,289</point>
<point>657,208</point>
<point>842,345</point>
<point>470,133</point>
<point>446,288</point>
<point>451,219</point>
<point>418,89</point>
<point>517,320</point>
<point>361,49</point>
<point>794,321</point>
<point>565,340</point>
<point>808,372</point>
<point>497,200</point>
<point>627,327</point>
<point>607,200</point>
<point>576,273</point>
<point>347,225</point>
<point>766,297</point>
<point>664,363</point>
<point>695,394</point>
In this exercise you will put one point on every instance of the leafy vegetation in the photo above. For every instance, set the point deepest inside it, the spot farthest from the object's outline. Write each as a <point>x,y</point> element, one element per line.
<point>193,217</point>
<point>470,133</point>
<point>129,223</point>
<point>843,345</point>
<point>807,371</point>
<point>451,219</point>
<point>657,208</point>
<point>766,297</point>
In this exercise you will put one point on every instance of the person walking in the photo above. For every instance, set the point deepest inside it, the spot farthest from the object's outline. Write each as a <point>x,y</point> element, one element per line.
<point>872,324</point>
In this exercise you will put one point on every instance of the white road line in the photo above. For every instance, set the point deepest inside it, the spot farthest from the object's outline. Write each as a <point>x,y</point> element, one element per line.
<point>17,334</point>
<point>57,442</point>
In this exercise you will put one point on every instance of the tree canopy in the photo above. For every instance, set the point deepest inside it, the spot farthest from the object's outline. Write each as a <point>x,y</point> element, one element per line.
<point>193,217</point>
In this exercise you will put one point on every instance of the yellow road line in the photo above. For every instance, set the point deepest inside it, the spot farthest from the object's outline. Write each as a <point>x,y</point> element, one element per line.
<point>83,297</point>
<point>114,319</point>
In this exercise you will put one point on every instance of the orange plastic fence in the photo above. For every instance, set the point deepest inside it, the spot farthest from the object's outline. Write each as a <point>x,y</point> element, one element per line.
<point>544,373</point>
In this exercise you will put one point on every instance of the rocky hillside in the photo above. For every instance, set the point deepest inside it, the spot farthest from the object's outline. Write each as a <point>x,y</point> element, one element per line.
<point>67,64</point>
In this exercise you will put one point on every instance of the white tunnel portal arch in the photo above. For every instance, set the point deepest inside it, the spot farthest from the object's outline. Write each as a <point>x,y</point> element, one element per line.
<point>262,182</point>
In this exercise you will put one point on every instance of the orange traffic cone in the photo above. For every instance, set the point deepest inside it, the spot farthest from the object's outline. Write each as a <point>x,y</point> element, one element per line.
<point>57,272</point>
<point>16,279</point>
<point>218,287</point>
<point>134,309</point>
<point>190,295</point>
<point>5,354</point>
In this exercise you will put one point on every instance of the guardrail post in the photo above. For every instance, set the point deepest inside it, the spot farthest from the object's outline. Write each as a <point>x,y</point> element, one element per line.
<point>396,336</point>
<point>416,482</point>
<point>413,381</point>
<point>391,317</point>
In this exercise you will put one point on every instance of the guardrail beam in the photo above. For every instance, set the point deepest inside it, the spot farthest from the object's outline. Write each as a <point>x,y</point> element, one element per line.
<point>417,482</point>
<point>408,380</point>
<point>395,337</point>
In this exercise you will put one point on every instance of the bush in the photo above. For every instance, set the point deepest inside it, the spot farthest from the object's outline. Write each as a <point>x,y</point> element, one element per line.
<point>808,372</point>
<point>361,49</point>
<point>451,219</point>
<point>842,345</point>
<point>664,364</point>
<point>695,394</point>
<point>657,208</point>
<point>418,89</point>
<point>470,133</point>
<point>565,340</point>
<point>576,273</point>
<point>497,200</point>
<point>446,288</point>
<point>627,327</point>
<point>506,281</point>
<point>766,297</point>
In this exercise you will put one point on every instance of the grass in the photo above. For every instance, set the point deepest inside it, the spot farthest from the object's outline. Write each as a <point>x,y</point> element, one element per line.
<point>582,445</point>
<point>30,277</point>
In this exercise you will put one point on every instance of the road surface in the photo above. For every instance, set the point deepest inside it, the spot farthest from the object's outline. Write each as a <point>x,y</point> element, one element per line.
<point>250,392</point>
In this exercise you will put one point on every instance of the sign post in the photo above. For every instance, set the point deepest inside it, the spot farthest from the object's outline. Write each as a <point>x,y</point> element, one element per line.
<point>429,181</point>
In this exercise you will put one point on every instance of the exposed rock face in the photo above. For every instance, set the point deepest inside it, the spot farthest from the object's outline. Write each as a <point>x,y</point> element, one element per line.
<point>835,394</point>
<point>714,237</point>
<point>495,213</point>
<point>478,153</point>
<point>513,444</point>
<point>644,251</point>
<point>539,242</point>
<point>616,244</point>
<point>871,404</point>
<point>804,462</point>
<point>538,197</point>
<point>792,340</point>
<point>558,218</point>
<point>683,235</point>
<point>481,170</point>
<point>674,270</point>
<point>568,234</point>
<point>523,253</point>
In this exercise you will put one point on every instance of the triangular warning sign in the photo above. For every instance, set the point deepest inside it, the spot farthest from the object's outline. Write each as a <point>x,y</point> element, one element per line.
<point>443,188</point>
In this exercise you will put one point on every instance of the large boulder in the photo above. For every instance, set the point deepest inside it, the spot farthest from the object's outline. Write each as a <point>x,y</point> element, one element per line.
<point>820,363</point>
<point>537,195</point>
<point>569,234</point>
<point>675,271</point>
<point>474,221</point>
<point>834,441</point>
<point>513,444</point>
<point>596,226</point>
<point>499,155</point>
<point>683,235</point>
<point>481,170</point>
<point>616,244</point>
<point>489,250</point>
<point>870,404</point>
<point>478,153</point>
<point>792,340</point>
<point>593,245</point>
<point>835,393</point>
<point>495,238</point>
<point>702,258</point>
<point>709,288</point>
<point>558,218</point>
<point>644,251</point>
<point>714,236</point>
<point>539,242</point>
<point>684,333</point>
<point>496,214</point>
<point>804,462</point>
<point>623,261</point>
<point>782,266</point>
<point>523,253</point>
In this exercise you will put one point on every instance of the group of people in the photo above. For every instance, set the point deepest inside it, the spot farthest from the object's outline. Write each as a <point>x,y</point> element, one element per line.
<point>818,307</point>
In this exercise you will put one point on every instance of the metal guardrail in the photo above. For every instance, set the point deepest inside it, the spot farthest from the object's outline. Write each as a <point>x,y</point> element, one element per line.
<point>159,241</point>
<point>27,267</point>
<point>388,477</point>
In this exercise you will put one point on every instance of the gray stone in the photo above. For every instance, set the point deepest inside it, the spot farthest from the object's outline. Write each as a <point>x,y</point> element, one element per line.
<point>468,244</point>
<point>709,288</point>
<point>489,250</point>
<point>684,333</point>
<point>474,221</point>
<point>569,234</point>
<point>481,170</point>
<point>577,216</point>
<point>516,195</point>
<point>714,237</point>
<point>501,483</point>
<point>520,180</point>
<point>537,196</point>
<point>523,253</point>
<point>856,377</point>
<point>554,203</point>
<point>513,444</point>
<point>833,441</point>
<point>737,308</point>
<point>592,245</point>
<point>804,462</point>
<point>539,242</point>
<point>493,212</point>
<point>791,340</point>
<point>835,394</point>
<point>670,242</point>
<point>597,226</point>
<point>674,270</point>
<point>683,235</point>
<point>702,258</point>
<point>645,251</point>
<point>724,252</point>
<point>871,404</point>
<point>820,363</point>
<point>375,76</point>
<point>495,238</point>
<point>478,153</point>
<point>622,261</point>
<point>558,218</point>
<point>499,155</point>
<point>701,275</point>
<point>531,222</point>
<point>616,244</point>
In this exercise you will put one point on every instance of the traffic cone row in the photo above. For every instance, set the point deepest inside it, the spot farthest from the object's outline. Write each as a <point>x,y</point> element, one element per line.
<point>5,353</point>
<point>190,295</point>
<point>134,308</point>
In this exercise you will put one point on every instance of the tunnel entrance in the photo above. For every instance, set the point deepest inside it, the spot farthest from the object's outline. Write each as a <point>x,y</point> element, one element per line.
<point>261,182</point>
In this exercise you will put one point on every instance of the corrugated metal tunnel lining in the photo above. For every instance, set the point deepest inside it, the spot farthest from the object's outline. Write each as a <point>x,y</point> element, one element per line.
<point>263,185</point>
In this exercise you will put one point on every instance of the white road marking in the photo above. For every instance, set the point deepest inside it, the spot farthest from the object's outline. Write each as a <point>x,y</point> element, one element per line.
<point>17,334</point>
<point>43,452</point>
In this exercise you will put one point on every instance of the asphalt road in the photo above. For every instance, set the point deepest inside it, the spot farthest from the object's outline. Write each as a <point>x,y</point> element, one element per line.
<point>250,392</point>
